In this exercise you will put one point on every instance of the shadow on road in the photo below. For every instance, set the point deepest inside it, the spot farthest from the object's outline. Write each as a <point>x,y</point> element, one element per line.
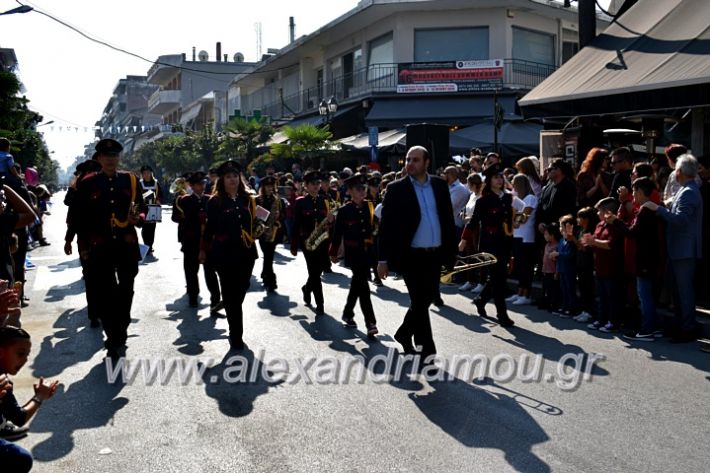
<point>72,343</point>
<point>279,305</point>
<point>194,329</point>
<point>58,293</point>
<point>89,403</point>
<point>234,389</point>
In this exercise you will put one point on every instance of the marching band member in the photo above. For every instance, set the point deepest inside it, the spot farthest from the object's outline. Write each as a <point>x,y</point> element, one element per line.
<point>309,212</point>
<point>190,213</point>
<point>353,225</point>
<point>272,202</point>
<point>228,243</point>
<point>106,208</point>
<point>491,227</point>
<point>150,184</point>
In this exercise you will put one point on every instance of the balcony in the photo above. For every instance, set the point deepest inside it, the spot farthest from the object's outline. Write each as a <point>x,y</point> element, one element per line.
<point>162,71</point>
<point>163,101</point>
<point>377,79</point>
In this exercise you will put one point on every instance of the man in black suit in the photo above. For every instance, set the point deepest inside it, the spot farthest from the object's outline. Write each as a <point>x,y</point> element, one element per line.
<point>417,237</point>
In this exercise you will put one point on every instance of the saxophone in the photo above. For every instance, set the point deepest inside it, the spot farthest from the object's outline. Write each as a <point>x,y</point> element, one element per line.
<point>320,232</point>
<point>272,224</point>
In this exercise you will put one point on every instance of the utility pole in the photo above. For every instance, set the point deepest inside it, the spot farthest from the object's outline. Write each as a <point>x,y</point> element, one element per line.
<point>586,11</point>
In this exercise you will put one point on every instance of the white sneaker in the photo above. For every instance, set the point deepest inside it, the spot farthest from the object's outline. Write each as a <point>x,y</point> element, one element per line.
<point>522,301</point>
<point>512,298</point>
<point>465,286</point>
<point>478,288</point>
<point>583,318</point>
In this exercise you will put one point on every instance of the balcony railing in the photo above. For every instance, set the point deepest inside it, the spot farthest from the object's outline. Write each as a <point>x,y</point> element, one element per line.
<point>375,79</point>
<point>162,101</point>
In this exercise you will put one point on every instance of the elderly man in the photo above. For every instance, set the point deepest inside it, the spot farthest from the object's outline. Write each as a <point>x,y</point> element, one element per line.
<point>684,241</point>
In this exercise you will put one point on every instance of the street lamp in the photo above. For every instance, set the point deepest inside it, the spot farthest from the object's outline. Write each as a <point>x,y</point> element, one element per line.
<point>327,108</point>
<point>20,9</point>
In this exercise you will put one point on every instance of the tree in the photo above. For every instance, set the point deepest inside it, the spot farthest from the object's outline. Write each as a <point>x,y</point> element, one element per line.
<point>244,137</point>
<point>306,142</point>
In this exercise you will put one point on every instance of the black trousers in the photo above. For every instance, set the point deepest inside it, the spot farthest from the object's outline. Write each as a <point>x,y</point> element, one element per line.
<point>422,282</point>
<point>92,305</point>
<point>191,265</point>
<point>315,262</point>
<point>148,234</point>
<point>496,285</point>
<point>360,290</point>
<point>235,284</point>
<point>111,282</point>
<point>268,276</point>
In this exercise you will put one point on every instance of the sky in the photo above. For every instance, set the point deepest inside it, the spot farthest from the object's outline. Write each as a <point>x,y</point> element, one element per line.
<point>69,79</point>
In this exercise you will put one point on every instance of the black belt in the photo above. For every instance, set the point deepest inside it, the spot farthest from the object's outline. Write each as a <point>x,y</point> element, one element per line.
<point>430,249</point>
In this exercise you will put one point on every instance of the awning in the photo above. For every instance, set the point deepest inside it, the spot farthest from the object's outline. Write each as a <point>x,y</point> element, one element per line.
<point>393,141</point>
<point>318,119</point>
<point>515,138</point>
<point>190,114</point>
<point>277,138</point>
<point>446,110</point>
<point>656,56</point>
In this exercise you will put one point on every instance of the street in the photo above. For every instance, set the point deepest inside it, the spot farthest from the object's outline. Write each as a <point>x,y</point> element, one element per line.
<point>644,407</point>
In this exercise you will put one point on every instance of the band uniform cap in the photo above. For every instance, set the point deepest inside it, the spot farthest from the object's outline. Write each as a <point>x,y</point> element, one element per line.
<point>145,167</point>
<point>374,181</point>
<point>312,176</point>
<point>356,180</point>
<point>229,166</point>
<point>108,146</point>
<point>491,171</point>
<point>196,177</point>
<point>268,180</point>
<point>88,166</point>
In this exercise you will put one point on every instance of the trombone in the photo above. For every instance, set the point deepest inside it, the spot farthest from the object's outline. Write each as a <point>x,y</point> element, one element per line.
<point>467,263</point>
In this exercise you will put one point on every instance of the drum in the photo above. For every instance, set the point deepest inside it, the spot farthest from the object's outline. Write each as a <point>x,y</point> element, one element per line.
<point>155,214</point>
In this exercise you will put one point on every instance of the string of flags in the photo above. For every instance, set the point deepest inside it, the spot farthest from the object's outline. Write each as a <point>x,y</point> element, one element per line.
<point>107,129</point>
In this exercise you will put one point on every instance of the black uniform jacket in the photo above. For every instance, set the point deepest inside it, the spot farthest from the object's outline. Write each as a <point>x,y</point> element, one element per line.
<point>400,220</point>
<point>228,231</point>
<point>307,213</point>
<point>190,213</point>
<point>99,212</point>
<point>354,226</point>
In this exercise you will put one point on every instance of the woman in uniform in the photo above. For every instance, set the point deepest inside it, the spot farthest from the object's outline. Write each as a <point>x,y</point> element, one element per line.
<point>228,243</point>
<point>492,227</point>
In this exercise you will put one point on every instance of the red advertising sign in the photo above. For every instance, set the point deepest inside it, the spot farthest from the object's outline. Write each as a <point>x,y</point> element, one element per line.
<point>452,76</point>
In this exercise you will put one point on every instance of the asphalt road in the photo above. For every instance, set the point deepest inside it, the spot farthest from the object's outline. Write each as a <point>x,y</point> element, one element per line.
<point>643,408</point>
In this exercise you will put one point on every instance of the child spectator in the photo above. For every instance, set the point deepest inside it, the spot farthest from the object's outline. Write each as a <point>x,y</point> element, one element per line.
<point>567,267</point>
<point>645,231</point>
<point>15,347</point>
<point>550,285</point>
<point>586,222</point>
<point>608,246</point>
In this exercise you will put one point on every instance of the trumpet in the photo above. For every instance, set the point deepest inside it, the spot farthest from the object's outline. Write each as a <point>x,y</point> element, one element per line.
<point>478,260</point>
<point>179,186</point>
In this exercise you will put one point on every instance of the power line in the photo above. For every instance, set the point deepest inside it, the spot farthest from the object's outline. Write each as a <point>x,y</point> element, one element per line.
<point>138,56</point>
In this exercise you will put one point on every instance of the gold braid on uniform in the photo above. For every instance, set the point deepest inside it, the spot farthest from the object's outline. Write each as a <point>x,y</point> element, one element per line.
<point>131,210</point>
<point>248,237</point>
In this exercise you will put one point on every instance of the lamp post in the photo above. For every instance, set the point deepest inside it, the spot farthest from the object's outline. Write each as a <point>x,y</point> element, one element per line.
<point>20,9</point>
<point>328,108</point>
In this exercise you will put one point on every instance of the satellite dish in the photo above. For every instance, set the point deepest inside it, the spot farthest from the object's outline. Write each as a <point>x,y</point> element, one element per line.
<point>203,56</point>
<point>238,57</point>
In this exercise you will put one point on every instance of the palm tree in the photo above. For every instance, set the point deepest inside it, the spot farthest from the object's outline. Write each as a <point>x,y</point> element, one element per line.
<point>305,142</point>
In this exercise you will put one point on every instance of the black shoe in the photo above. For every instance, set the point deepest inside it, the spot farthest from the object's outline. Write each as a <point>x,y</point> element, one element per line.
<point>438,302</point>
<point>306,295</point>
<point>320,310</point>
<point>372,330</point>
<point>480,307</point>
<point>407,346</point>
<point>24,303</point>
<point>236,343</point>
<point>12,432</point>
<point>44,242</point>
<point>95,323</point>
<point>216,307</point>
<point>378,282</point>
<point>349,320</point>
<point>507,322</point>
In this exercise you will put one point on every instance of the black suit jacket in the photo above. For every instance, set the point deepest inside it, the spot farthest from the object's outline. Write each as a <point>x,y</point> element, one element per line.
<point>400,219</point>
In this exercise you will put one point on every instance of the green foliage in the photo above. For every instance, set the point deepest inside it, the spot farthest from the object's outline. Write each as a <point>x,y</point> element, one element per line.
<point>306,143</point>
<point>244,137</point>
<point>280,163</point>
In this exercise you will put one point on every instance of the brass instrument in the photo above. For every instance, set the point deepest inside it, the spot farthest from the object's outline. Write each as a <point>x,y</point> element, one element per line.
<point>272,224</point>
<point>320,232</point>
<point>478,260</point>
<point>179,186</point>
<point>519,219</point>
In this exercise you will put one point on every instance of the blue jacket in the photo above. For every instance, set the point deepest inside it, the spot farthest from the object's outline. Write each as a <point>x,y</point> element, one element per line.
<point>685,218</point>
